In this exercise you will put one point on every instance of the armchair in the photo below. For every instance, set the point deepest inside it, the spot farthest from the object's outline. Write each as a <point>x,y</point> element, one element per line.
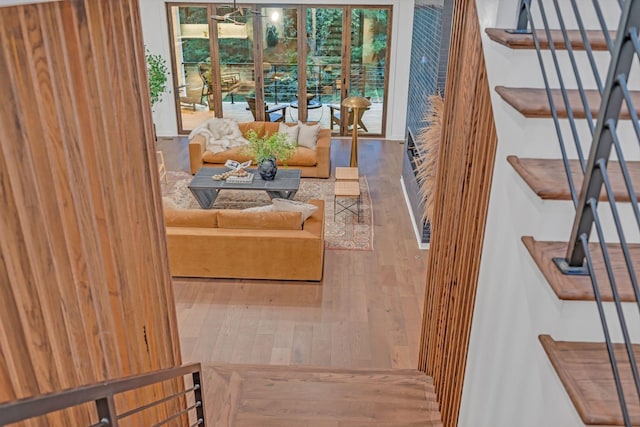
<point>272,114</point>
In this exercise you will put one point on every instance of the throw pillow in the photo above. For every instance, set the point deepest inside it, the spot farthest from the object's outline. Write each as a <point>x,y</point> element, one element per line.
<point>308,135</point>
<point>233,219</point>
<point>167,203</point>
<point>291,132</point>
<point>267,208</point>
<point>286,205</point>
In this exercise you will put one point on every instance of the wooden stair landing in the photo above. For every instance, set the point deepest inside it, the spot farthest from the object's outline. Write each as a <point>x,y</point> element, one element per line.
<point>525,41</point>
<point>585,372</point>
<point>533,103</point>
<point>579,287</point>
<point>283,396</point>
<point>548,179</point>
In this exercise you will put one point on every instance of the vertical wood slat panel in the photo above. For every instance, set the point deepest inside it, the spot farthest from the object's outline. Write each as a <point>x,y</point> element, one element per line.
<point>467,155</point>
<point>84,277</point>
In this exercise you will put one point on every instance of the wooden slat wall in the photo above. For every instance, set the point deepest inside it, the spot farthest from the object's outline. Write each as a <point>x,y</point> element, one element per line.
<point>84,279</point>
<point>466,164</point>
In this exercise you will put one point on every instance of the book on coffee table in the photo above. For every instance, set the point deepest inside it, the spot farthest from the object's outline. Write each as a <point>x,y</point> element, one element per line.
<point>247,179</point>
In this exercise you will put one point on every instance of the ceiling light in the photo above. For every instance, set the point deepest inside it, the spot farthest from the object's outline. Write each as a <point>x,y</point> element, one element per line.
<point>275,16</point>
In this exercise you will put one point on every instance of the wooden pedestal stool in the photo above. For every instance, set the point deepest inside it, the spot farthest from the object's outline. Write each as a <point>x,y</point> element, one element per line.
<point>347,187</point>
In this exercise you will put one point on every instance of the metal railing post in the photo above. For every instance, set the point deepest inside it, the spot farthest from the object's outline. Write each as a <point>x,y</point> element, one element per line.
<point>197,392</point>
<point>610,108</point>
<point>522,19</point>
<point>106,408</point>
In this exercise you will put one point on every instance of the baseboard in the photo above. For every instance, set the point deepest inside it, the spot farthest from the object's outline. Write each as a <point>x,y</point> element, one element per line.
<point>416,231</point>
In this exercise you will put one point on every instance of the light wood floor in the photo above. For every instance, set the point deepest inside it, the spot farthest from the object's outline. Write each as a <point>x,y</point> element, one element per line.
<point>366,313</point>
<point>280,396</point>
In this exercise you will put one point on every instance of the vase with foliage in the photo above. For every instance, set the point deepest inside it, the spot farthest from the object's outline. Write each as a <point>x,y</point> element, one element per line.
<point>158,73</point>
<point>267,150</point>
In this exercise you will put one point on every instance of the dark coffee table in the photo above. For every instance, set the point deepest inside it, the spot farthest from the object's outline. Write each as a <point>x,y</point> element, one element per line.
<point>205,189</point>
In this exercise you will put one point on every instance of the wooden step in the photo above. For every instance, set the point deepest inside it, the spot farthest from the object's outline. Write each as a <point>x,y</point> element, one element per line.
<point>579,288</point>
<point>585,372</point>
<point>525,41</point>
<point>547,177</point>
<point>533,103</point>
<point>250,395</point>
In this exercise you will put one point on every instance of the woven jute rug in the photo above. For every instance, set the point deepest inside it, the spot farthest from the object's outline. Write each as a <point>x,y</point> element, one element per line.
<point>343,233</point>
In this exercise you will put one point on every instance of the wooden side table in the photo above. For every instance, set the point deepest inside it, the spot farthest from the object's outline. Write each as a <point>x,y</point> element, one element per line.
<point>347,190</point>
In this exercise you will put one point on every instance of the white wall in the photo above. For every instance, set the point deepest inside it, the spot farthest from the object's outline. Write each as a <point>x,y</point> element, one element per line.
<point>156,37</point>
<point>509,380</point>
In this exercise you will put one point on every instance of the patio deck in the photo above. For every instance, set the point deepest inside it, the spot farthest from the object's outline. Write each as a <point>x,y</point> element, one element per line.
<point>238,111</point>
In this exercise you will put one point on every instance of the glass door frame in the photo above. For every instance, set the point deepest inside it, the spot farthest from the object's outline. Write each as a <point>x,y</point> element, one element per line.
<point>215,73</point>
<point>258,55</point>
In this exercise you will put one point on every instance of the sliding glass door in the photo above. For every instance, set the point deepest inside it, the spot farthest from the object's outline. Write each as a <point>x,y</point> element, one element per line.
<point>368,64</point>
<point>254,61</point>
<point>235,62</point>
<point>280,60</point>
<point>324,63</point>
<point>191,64</point>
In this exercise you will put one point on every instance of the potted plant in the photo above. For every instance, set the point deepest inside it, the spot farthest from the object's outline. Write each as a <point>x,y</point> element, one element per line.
<point>267,150</point>
<point>158,73</point>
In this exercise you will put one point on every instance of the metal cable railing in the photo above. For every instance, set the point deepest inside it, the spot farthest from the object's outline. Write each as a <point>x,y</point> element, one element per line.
<point>605,137</point>
<point>103,396</point>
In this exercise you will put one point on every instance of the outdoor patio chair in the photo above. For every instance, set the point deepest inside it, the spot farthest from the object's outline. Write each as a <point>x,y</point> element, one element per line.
<point>335,116</point>
<point>272,114</point>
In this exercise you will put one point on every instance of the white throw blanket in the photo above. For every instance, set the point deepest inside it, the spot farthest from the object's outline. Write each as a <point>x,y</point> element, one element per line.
<point>220,134</point>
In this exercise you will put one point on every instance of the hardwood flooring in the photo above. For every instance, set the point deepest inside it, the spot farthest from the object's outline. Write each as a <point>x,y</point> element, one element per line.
<point>366,313</point>
<point>596,39</point>
<point>585,371</point>
<point>281,396</point>
<point>533,103</point>
<point>548,178</point>
<point>580,288</point>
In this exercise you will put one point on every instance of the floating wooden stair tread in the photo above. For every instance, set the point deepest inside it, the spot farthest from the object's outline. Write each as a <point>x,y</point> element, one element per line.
<point>547,177</point>
<point>533,103</point>
<point>585,372</point>
<point>283,396</point>
<point>579,287</point>
<point>525,41</point>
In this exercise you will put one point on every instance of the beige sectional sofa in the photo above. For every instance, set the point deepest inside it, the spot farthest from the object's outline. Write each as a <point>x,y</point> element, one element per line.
<point>230,243</point>
<point>312,163</point>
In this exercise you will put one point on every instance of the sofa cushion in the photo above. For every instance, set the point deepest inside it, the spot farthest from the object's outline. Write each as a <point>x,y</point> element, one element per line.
<point>232,153</point>
<point>190,218</point>
<point>303,157</point>
<point>235,219</point>
<point>286,205</point>
<point>261,128</point>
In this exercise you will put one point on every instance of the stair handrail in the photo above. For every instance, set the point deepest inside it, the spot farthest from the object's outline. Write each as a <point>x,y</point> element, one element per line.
<point>579,257</point>
<point>603,139</point>
<point>103,395</point>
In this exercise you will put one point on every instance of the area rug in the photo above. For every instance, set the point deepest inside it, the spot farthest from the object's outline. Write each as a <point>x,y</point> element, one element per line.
<point>342,233</point>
